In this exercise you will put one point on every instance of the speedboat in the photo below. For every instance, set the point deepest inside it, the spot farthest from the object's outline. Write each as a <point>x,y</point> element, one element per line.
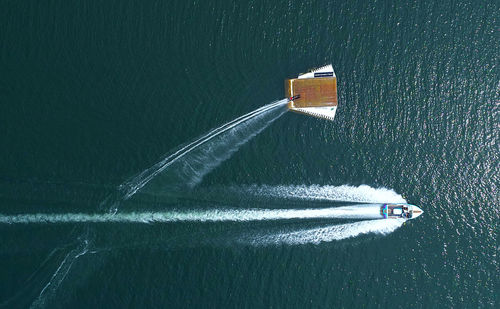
<point>400,211</point>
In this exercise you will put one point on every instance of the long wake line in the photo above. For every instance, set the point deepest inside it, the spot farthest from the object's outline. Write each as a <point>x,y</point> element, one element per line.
<point>346,193</point>
<point>131,187</point>
<point>218,215</point>
<point>201,156</point>
<point>326,234</point>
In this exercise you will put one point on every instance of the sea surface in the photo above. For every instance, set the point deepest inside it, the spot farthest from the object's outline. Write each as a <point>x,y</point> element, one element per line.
<point>147,159</point>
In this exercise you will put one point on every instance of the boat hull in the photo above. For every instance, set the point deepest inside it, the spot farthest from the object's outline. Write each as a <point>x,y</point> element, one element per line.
<point>400,211</point>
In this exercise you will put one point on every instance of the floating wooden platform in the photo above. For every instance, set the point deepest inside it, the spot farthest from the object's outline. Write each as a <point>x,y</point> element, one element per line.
<point>314,92</point>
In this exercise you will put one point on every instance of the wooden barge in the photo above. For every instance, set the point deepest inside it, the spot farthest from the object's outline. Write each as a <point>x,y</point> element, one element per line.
<point>313,93</point>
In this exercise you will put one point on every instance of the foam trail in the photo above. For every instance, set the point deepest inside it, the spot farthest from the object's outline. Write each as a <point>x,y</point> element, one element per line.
<point>192,167</point>
<point>218,215</point>
<point>61,272</point>
<point>328,234</point>
<point>345,193</point>
<point>132,186</point>
<point>129,188</point>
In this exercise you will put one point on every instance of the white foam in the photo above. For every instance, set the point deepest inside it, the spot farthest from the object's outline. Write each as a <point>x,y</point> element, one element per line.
<point>216,215</point>
<point>346,193</point>
<point>130,187</point>
<point>191,168</point>
<point>328,234</point>
<point>59,275</point>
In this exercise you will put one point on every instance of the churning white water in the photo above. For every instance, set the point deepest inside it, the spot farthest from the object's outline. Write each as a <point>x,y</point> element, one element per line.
<point>213,215</point>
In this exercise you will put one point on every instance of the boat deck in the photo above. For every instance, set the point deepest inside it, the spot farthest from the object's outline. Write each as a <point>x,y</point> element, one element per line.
<point>314,92</point>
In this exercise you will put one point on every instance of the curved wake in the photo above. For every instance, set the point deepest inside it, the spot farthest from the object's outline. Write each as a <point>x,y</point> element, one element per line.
<point>218,147</point>
<point>249,125</point>
<point>196,159</point>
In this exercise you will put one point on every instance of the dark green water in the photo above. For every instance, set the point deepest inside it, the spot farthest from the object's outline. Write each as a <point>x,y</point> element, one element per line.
<point>93,93</point>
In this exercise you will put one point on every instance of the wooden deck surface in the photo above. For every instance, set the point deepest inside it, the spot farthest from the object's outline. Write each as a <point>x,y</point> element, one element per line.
<point>314,92</point>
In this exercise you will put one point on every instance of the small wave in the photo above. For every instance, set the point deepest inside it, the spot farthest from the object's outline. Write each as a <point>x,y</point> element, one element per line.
<point>344,193</point>
<point>327,234</point>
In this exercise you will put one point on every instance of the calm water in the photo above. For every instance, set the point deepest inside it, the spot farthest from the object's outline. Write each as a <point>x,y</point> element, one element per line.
<point>93,94</point>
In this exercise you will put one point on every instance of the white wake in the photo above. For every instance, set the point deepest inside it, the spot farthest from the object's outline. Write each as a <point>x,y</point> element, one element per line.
<point>225,139</point>
<point>327,234</point>
<point>213,215</point>
<point>208,151</point>
<point>345,193</point>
